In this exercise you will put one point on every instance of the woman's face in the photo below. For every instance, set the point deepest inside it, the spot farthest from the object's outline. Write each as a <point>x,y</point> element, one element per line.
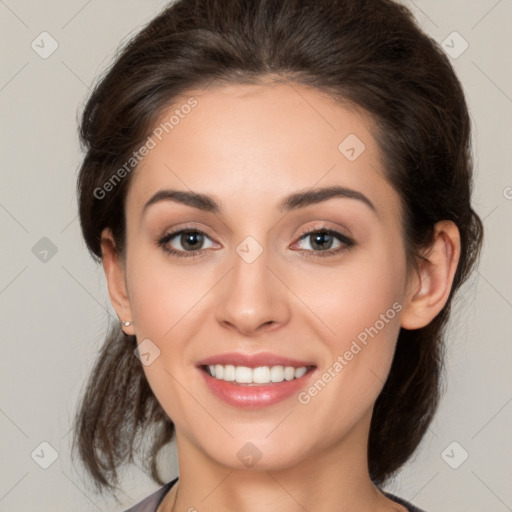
<point>270,264</point>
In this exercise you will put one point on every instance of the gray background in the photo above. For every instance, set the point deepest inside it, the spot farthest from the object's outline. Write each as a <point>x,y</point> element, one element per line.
<point>54,308</point>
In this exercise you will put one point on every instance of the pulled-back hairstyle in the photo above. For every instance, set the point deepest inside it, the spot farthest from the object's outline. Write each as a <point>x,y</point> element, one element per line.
<point>369,54</point>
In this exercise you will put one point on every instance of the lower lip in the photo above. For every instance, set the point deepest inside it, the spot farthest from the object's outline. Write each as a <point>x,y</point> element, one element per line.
<point>254,396</point>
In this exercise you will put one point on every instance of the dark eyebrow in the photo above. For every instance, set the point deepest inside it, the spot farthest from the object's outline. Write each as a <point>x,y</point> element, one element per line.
<point>199,201</point>
<point>292,202</point>
<point>313,196</point>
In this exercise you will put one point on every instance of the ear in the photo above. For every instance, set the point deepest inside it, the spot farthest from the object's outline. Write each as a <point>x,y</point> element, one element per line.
<point>432,284</point>
<point>113,266</point>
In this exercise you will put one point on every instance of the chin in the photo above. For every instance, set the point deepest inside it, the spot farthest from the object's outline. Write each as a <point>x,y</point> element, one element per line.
<point>255,454</point>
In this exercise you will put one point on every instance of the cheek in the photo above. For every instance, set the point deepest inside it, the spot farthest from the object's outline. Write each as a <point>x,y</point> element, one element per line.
<point>165,304</point>
<point>363,320</point>
<point>357,313</point>
<point>362,292</point>
<point>169,304</point>
<point>163,295</point>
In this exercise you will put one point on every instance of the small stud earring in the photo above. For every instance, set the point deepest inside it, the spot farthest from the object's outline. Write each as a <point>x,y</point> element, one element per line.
<point>126,324</point>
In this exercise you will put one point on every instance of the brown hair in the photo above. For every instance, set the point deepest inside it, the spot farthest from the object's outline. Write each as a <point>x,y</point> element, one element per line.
<point>366,53</point>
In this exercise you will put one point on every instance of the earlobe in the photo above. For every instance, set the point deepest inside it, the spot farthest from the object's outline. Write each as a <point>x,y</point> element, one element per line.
<point>434,279</point>
<point>115,274</point>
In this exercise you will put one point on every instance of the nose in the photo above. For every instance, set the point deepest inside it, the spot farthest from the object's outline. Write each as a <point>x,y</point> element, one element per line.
<point>252,300</point>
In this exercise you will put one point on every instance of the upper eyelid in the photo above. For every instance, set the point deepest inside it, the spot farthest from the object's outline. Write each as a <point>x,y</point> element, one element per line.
<point>328,229</point>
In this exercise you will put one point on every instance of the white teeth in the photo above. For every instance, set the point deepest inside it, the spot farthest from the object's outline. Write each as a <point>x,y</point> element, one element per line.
<point>229,373</point>
<point>299,372</point>
<point>289,373</point>
<point>243,375</point>
<point>277,374</point>
<point>259,375</point>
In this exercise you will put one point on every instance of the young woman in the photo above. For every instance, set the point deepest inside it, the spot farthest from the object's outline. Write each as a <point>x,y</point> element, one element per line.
<point>280,194</point>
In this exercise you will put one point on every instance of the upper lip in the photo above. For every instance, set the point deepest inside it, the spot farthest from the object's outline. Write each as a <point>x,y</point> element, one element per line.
<point>253,360</point>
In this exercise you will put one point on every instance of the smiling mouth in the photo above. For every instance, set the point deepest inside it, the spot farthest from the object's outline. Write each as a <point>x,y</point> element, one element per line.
<point>261,375</point>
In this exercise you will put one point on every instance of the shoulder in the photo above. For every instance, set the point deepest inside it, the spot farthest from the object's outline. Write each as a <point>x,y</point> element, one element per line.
<point>151,502</point>
<point>409,506</point>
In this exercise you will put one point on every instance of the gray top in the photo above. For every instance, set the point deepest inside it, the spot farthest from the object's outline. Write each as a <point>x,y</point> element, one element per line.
<point>151,502</point>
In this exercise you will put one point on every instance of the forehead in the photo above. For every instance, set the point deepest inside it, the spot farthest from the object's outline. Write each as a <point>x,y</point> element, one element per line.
<point>255,141</point>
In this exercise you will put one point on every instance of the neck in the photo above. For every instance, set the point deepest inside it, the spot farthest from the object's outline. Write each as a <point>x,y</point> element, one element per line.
<point>333,479</point>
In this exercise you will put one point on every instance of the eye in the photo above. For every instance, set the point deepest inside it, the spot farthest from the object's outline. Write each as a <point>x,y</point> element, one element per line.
<point>324,242</point>
<point>189,242</point>
<point>185,242</point>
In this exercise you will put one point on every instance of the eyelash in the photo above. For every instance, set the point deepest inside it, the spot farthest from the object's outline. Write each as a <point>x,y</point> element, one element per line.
<point>347,242</point>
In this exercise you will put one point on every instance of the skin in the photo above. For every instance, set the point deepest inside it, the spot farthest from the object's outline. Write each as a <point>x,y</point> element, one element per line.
<point>249,146</point>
